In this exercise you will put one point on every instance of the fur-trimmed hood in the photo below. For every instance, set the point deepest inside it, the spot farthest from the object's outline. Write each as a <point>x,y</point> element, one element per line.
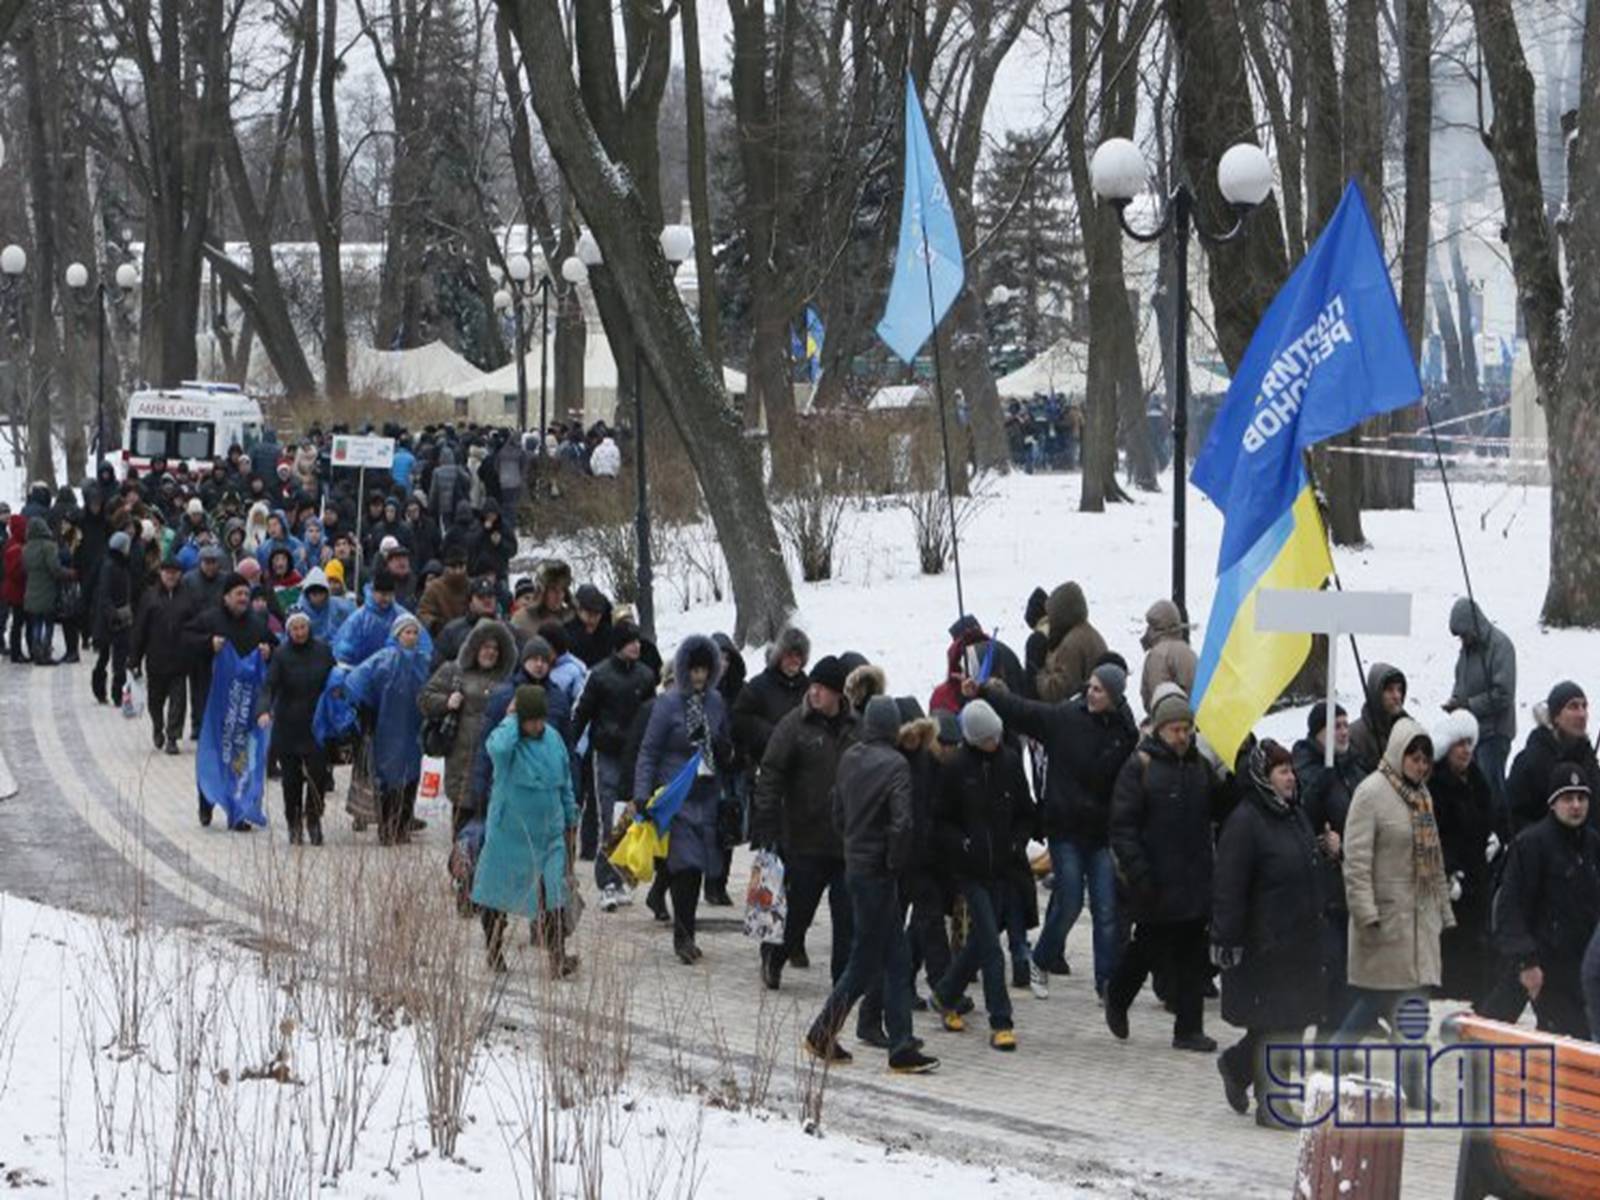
<point>791,639</point>
<point>695,643</point>
<point>863,684</point>
<point>921,734</point>
<point>489,629</point>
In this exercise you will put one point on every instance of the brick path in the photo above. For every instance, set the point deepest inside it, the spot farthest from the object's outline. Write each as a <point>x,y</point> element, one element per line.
<point>97,805</point>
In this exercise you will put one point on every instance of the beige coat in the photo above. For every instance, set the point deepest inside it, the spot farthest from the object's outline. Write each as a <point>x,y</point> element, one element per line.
<point>1394,927</point>
<point>1168,658</point>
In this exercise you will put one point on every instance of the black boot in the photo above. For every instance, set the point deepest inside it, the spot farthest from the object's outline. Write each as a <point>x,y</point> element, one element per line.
<point>297,833</point>
<point>314,830</point>
<point>205,812</point>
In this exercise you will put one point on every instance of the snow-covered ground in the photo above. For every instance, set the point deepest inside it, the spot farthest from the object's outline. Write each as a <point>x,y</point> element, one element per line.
<point>1030,533</point>
<point>232,1083</point>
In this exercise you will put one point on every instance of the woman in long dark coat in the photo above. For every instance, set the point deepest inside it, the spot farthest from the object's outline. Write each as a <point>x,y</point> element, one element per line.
<point>1463,807</point>
<point>689,717</point>
<point>1265,923</point>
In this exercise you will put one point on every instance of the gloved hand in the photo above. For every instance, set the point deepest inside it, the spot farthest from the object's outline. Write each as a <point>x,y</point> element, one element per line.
<point>1492,850</point>
<point>1455,886</point>
<point>1226,958</point>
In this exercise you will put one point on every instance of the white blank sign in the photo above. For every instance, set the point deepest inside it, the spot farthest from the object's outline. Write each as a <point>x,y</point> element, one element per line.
<point>1287,610</point>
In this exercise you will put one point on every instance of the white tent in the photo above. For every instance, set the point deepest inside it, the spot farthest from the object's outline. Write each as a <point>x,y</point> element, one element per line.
<point>899,395</point>
<point>494,396</point>
<point>1062,368</point>
<point>401,374</point>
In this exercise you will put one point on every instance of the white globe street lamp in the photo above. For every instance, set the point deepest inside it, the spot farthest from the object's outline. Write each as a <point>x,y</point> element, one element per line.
<point>573,270</point>
<point>677,243</point>
<point>519,268</point>
<point>127,277</point>
<point>1118,173</point>
<point>13,260</point>
<point>77,276</point>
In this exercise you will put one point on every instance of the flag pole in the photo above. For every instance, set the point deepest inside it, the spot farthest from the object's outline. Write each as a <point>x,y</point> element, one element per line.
<point>938,388</point>
<point>1449,500</point>
<point>1338,585</point>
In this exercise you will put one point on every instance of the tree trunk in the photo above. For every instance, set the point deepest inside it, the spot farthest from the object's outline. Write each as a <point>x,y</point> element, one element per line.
<point>699,191</point>
<point>1463,388</point>
<point>1466,325</point>
<point>690,383</point>
<point>322,177</point>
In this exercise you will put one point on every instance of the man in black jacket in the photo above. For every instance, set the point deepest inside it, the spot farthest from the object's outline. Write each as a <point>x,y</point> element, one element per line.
<point>111,619</point>
<point>610,700</point>
<point>1161,830</point>
<point>589,631</point>
<point>1547,908</point>
<point>1086,740</point>
<point>231,621</point>
<point>872,808</point>
<point>984,816</point>
<point>771,694</point>
<point>295,679</point>
<point>157,643</point>
<point>202,587</point>
<point>1563,740</point>
<point>793,811</point>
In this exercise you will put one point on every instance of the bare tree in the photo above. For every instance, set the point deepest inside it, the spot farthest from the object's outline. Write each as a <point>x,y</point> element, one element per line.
<point>690,383</point>
<point>322,169</point>
<point>1566,368</point>
<point>699,188</point>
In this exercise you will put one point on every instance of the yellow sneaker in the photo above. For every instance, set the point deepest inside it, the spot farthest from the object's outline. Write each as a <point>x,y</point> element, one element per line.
<point>1003,1039</point>
<point>952,1021</point>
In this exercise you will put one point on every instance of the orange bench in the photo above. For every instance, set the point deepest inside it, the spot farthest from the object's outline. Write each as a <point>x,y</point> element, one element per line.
<point>1538,1134</point>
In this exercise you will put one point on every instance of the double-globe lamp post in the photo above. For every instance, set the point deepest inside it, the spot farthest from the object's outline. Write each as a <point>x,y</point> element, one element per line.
<point>1119,174</point>
<point>677,243</point>
<point>512,297</point>
<point>127,278</point>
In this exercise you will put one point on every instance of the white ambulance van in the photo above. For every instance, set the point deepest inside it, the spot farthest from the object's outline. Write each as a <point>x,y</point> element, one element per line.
<point>191,422</point>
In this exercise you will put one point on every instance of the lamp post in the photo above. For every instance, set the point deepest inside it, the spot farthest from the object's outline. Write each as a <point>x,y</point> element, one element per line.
<point>1118,173</point>
<point>677,243</point>
<point>127,278</point>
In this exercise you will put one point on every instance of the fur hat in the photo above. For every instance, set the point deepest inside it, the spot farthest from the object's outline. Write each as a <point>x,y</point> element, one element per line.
<point>790,641</point>
<point>1453,727</point>
<point>980,723</point>
<point>863,683</point>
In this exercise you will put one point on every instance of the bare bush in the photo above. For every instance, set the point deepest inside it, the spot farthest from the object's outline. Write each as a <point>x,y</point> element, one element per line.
<point>931,523</point>
<point>808,521</point>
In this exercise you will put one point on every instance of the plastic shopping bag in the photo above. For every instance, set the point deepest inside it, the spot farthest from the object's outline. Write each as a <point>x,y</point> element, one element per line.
<point>636,854</point>
<point>432,803</point>
<point>132,698</point>
<point>766,903</point>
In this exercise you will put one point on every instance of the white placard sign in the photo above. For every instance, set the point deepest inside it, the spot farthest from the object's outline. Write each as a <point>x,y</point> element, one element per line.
<point>349,450</point>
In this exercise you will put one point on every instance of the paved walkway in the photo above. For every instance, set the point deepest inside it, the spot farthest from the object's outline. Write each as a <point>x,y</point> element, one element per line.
<point>99,813</point>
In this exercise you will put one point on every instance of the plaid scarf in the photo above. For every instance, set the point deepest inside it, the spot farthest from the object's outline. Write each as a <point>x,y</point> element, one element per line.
<point>694,719</point>
<point>1427,855</point>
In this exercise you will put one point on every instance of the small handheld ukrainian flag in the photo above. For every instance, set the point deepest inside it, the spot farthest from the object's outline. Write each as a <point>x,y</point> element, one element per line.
<point>1330,352</point>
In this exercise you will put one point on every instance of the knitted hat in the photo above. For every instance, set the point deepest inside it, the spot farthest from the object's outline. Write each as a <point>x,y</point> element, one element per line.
<point>1453,727</point>
<point>910,709</point>
<point>388,545</point>
<point>1563,694</point>
<point>119,543</point>
<point>233,580</point>
<point>980,723</point>
<point>1566,777</point>
<point>1113,678</point>
<point>830,673</point>
<point>624,633</point>
<point>194,508</point>
<point>537,647</point>
<point>1171,708</point>
<point>334,570</point>
<point>881,721</point>
<point>294,617</point>
<point>1317,718</point>
<point>525,586</point>
<point>531,704</point>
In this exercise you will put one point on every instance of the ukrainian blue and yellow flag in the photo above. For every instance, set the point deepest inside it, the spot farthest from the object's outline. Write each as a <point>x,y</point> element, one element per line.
<point>1330,352</point>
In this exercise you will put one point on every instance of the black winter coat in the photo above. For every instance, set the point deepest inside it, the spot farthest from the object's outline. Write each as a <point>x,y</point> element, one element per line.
<point>760,706</point>
<point>1085,752</point>
<point>245,632</point>
<point>1464,812</point>
<point>1161,823</point>
<point>615,692</point>
<point>295,679</point>
<point>1528,782</point>
<point>984,815</point>
<point>1267,901</point>
<point>793,806</point>
<point>591,649</point>
<point>158,631</point>
<point>872,809</point>
<point>111,614</point>
<point>1549,899</point>
<point>1325,798</point>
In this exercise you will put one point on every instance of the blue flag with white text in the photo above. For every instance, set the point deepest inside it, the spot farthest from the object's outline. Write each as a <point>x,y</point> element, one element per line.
<point>928,270</point>
<point>231,760</point>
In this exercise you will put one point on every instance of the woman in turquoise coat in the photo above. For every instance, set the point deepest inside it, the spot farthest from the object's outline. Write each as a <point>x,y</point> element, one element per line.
<point>527,845</point>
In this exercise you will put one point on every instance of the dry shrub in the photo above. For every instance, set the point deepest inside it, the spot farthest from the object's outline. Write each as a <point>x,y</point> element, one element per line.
<point>931,527</point>
<point>293,417</point>
<point>808,520</point>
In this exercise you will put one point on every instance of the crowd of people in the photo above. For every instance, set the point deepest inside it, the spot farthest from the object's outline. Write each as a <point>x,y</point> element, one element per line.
<point>1425,861</point>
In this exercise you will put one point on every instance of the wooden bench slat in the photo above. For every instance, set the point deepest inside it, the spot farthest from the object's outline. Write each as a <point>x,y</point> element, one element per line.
<point>1546,1170</point>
